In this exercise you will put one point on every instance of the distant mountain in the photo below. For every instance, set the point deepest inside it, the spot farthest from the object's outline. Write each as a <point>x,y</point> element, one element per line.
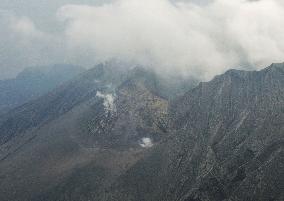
<point>34,82</point>
<point>113,134</point>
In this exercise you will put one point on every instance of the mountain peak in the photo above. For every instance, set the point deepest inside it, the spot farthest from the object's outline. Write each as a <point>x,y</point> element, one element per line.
<point>276,67</point>
<point>110,135</point>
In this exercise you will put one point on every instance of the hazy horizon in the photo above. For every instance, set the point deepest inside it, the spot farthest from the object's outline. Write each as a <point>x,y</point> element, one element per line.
<point>196,38</point>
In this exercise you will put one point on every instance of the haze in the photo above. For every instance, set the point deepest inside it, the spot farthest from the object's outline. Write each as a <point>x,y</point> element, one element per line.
<point>196,38</point>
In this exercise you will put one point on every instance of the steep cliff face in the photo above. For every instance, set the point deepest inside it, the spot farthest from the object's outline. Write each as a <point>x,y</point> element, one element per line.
<point>226,143</point>
<point>112,135</point>
<point>238,122</point>
<point>93,127</point>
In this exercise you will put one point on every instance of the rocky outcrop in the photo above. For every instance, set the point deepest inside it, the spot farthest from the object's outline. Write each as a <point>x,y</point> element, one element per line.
<point>113,135</point>
<point>100,123</point>
<point>226,143</point>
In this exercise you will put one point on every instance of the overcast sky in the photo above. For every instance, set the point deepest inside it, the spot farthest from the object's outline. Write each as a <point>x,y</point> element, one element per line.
<point>43,12</point>
<point>199,38</point>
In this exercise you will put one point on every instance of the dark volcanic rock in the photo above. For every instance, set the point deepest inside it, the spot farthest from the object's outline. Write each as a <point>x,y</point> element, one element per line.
<point>111,135</point>
<point>226,144</point>
<point>73,142</point>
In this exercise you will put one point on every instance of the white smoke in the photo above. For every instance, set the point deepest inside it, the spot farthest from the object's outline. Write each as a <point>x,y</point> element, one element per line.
<point>108,103</point>
<point>179,37</point>
<point>146,142</point>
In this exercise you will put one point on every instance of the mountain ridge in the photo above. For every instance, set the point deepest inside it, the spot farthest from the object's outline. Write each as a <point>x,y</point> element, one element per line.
<point>33,82</point>
<point>120,138</point>
<point>223,131</point>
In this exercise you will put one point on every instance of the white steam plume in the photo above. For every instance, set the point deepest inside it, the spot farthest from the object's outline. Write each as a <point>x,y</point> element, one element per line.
<point>175,37</point>
<point>180,37</point>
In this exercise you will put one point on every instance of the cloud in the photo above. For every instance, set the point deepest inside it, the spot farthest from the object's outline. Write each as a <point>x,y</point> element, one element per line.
<point>172,37</point>
<point>179,37</point>
<point>22,44</point>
